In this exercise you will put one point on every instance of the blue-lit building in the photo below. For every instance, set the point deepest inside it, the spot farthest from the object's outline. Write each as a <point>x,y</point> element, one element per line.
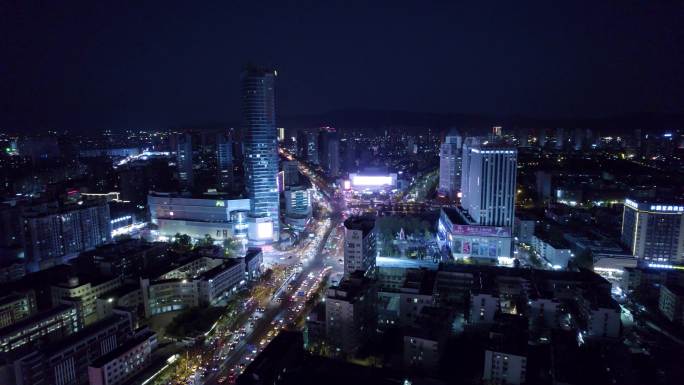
<point>184,160</point>
<point>224,161</point>
<point>261,150</point>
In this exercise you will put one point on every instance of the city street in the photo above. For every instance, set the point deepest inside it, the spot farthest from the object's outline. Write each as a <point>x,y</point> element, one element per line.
<point>302,272</point>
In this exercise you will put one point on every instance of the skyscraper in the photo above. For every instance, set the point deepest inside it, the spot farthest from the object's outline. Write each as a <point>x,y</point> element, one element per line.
<point>488,183</point>
<point>224,161</point>
<point>261,147</point>
<point>307,145</point>
<point>329,150</point>
<point>450,165</point>
<point>184,160</point>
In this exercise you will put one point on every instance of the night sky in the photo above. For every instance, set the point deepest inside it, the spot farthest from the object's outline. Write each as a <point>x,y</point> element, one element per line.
<point>102,64</point>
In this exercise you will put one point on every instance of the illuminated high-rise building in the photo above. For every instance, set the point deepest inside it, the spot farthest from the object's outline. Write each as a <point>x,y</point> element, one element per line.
<point>261,149</point>
<point>224,162</point>
<point>488,182</point>
<point>329,151</point>
<point>654,232</point>
<point>450,165</point>
<point>184,160</point>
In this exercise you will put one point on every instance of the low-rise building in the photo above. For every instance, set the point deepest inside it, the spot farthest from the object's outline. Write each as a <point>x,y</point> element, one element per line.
<point>55,323</point>
<point>124,362</point>
<point>670,302</point>
<point>556,252</point>
<point>66,361</point>
<point>506,352</point>
<point>213,284</point>
<point>465,240</point>
<point>349,313</point>
<point>15,307</point>
<point>220,216</point>
<point>85,291</point>
<point>254,261</point>
<point>523,227</point>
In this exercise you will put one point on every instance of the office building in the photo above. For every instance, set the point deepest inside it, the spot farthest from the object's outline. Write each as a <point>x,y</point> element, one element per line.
<point>298,201</point>
<point>556,252</point>
<point>307,146</point>
<point>359,245</point>
<point>124,362</point>
<point>654,231</point>
<point>450,153</point>
<point>291,172</point>
<point>213,284</point>
<point>505,365</point>
<point>329,151</point>
<point>15,307</point>
<point>216,215</point>
<point>66,361</point>
<point>254,261</point>
<point>56,231</point>
<point>193,282</point>
<point>224,162</point>
<point>488,183</point>
<point>261,147</point>
<point>85,292</point>
<point>349,313</point>
<point>52,324</point>
<point>670,303</point>
<point>184,160</point>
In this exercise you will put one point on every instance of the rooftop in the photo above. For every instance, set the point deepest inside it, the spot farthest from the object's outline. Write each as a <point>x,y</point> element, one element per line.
<point>128,345</point>
<point>363,223</point>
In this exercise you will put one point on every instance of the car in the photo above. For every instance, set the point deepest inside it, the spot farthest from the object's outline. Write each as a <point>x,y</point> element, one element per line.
<point>222,380</point>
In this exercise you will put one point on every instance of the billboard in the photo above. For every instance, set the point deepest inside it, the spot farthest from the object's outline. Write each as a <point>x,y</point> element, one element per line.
<point>482,231</point>
<point>373,181</point>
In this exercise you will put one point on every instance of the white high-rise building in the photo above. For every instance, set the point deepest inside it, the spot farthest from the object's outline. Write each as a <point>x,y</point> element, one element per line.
<point>359,245</point>
<point>488,182</point>
<point>450,153</point>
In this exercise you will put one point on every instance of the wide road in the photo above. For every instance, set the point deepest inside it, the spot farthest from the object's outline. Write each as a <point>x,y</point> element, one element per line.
<point>274,311</point>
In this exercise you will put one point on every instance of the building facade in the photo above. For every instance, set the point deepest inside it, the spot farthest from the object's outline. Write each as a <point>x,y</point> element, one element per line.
<point>261,144</point>
<point>450,153</point>
<point>217,216</point>
<point>654,231</point>
<point>124,362</point>
<point>359,245</point>
<point>184,160</point>
<point>224,162</point>
<point>488,183</point>
<point>58,231</point>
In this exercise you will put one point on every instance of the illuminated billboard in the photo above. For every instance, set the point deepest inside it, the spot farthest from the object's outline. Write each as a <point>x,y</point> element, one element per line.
<point>260,229</point>
<point>373,181</point>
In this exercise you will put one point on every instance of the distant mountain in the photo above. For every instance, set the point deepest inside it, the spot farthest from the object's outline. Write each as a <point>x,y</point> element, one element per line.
<point>403,120</point>
<point>407,121</point>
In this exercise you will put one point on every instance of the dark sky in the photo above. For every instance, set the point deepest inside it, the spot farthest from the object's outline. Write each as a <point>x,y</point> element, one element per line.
<point>103,64</point>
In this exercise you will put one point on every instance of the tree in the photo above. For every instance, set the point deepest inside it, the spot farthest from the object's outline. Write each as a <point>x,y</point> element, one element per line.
<point>182,241</point>
<point>206,241</point>
<point>231,246</point>
<point>584,259</point>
